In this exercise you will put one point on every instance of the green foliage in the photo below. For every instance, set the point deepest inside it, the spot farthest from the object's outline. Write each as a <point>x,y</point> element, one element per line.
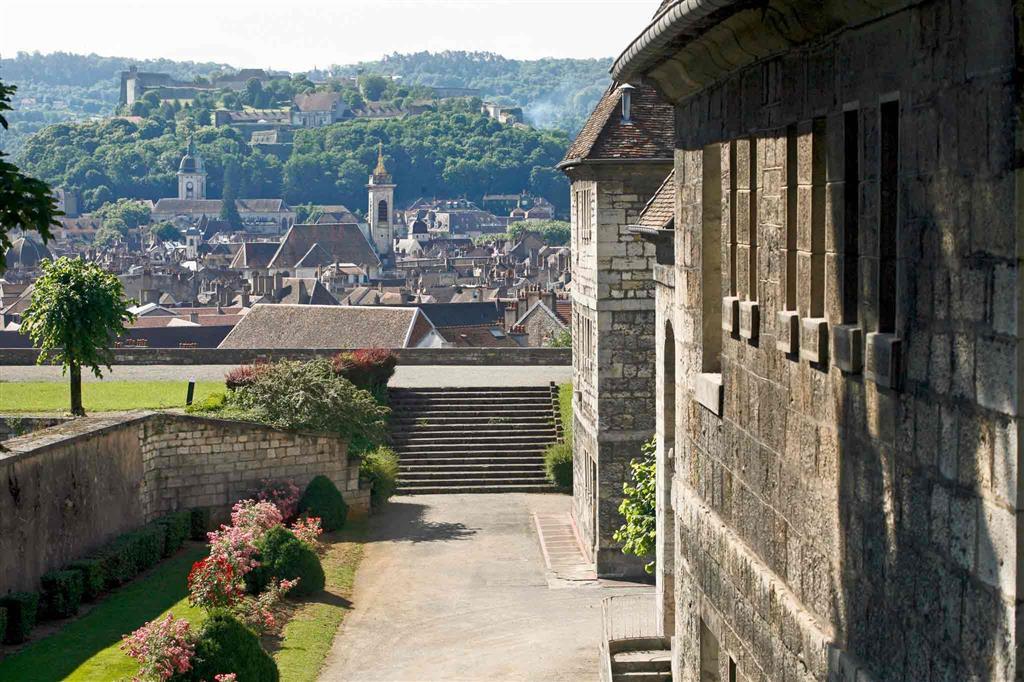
<point>211,403</point>
<point>132,214</point>
<point>176,527</point>
<point>92,574</point>
<point>553,232</point>
<point>76,312</point>
<point>310,396</point>
<point>379,469</point>
<point>367,368</point>
<point>62,593</point>
<point>25,202</point>
<point>200,522</point>
<point>226,645</point>
<point>285,557</point>
<point>228,209</point>
<point>322,498</point>
<point>565,410</point>
<point>130,554</point>
<point>372,86</point>
<point>637,534</point>
<point>558,464</point>
<point>561,340</point>
<point>166,232</point>
<point>22,608</point>
<point>3,623</point>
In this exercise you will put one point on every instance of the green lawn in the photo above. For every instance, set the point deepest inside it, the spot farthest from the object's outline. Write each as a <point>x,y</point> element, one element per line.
<point>565,409</point>
<point>100,396</point>
<point>87,649</point>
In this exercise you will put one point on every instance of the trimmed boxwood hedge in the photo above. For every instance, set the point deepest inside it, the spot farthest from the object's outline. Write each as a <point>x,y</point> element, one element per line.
<point>284,556</point>
<point>322,498</point>
<point>92,574</point>
<point>226,645</point>
<point>21,615</point>
<point>177,529</point>
<point>62,593</point>
<point>3,623</point>
<point>200,522</point>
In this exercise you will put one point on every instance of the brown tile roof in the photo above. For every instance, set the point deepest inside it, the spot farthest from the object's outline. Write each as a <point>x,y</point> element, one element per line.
<point>330,326</point>
<point>306,291</point>
<point>649,135</point>
<point>661,209</point>
<point>563,309</point>
<point>317,101</point>
<point>213,206</point>
<point>254,255</point>
<point>343,241</point>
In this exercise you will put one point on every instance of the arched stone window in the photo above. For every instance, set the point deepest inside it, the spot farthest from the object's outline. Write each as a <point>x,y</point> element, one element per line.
<point>382,211</point>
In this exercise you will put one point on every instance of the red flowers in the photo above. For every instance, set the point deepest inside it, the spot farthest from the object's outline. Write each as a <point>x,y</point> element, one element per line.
<point>212,583</point>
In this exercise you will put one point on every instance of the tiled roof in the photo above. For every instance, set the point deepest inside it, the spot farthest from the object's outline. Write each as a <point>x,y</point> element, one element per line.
<point>563,309</point>
<point>315,326</point>
<point>463,314</point>
<point>477,336</point>
<point>650,134</point>
<point>317,101</point>
<point>661,208</point>
<point>316,255</point>
<point>305,291</point>
<point>254,255</point>
<point>212,206</point>
<point>343,241</point>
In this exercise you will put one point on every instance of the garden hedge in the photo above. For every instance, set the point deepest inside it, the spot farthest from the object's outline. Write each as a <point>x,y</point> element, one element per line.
<point>226,645</point>
<point>177,529</point>
<point>200,523</point>
<point>92,574</point>
<point>3,623</point>
<point>62,593</point>
<point>558,464</point>
<point>21,615</point>
<point>379,469</point>
<point>284,556</point>
<point>323,499</point>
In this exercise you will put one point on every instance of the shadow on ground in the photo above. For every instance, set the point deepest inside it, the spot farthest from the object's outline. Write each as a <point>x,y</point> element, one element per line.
<point>402,520</point>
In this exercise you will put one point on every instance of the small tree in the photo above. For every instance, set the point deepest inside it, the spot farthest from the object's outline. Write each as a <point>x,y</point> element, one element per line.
<point>76,312</point>
<point>638,534</point>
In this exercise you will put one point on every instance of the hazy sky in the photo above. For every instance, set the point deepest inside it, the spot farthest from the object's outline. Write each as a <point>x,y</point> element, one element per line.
<point>299,34</point>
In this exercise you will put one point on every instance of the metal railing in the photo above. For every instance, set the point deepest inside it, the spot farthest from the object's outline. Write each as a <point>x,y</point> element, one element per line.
<point>626,616</point>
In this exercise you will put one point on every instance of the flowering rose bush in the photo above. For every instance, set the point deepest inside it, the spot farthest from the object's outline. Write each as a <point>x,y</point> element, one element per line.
<point>283,495</point>
<point>162,648</point>
<point>307,529</point>
<point>212,583</point>
<point>258,613</point>
<point>257,516</point>
<point>228,677</point>
<point>236,546</point>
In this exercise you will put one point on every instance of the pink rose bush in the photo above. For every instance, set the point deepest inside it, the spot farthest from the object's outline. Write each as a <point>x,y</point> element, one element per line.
<point>283,495</point>
<point>162,648</point>
<point>308,530</point>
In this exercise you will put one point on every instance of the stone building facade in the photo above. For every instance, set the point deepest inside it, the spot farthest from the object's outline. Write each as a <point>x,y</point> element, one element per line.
<point>838,337</point>
<point>615,165</point>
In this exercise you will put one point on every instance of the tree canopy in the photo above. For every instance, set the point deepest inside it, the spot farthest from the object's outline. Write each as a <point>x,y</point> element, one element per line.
<point>76,312</point>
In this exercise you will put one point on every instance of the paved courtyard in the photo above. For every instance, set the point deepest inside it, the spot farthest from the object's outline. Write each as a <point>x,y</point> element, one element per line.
<point>408,376</point>
<point>455,587</point>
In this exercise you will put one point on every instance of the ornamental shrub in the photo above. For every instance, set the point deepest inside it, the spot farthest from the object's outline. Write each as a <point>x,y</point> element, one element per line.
<point>91,571</point>
<point>162,648</point>
<point>284,556</point>
<point>177,528</point>
<point>367,368</point>
<point>323,499</point>
<point>310,396</point>
<point>558,464</point>
<point>116,562</point>
<point>282,494</point>
<point>200,522</point>
<point>3,623</point>
<point>224,645</point>
<point>62,593</point>
<point>243,375</point>
<point>379,469</point>
<point>146,546</point>
<point>21,615</point>
<point>638,533</point>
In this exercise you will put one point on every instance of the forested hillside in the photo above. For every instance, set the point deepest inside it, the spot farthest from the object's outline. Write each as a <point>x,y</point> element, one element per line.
<point>453,152</point>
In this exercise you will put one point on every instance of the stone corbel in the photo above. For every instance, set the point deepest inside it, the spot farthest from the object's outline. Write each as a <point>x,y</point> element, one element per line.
<point>707,391</point>
<point>731,315</point>
<point>750,320</point>
<point>814,339</point>
<point>787,331</point>
<point>882,359</point>
<point>848,348</point>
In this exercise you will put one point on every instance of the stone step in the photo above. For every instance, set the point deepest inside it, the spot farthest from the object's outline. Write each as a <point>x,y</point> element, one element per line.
<point>472,432</point>
<point>457,461</point>
<point>539,388</point>
<point>416,466</point>
<point>489,487</point>
<point>473,438</point>
<point>617,646</point>
<point>406,477</point>
<point>648,660</point>
<point>485,450</point>
<point>447,401</point>
<point>474,419</point>
<point>642,676</point>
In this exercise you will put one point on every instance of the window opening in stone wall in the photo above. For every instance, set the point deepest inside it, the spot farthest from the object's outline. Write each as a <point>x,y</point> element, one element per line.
<point>732,215</point>
<point>888,216</point>
<point>791,204</point>
<point>851,215</point>
<point>752,221</point>
<point>711,255</point>
<point>382,211</point>
<point>709,653</point>
<point>818,163</point>
<point>583,215</point>
<point>732,670</point>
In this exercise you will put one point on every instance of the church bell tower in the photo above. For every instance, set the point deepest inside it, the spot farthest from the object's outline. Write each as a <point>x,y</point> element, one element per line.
<point>382,207</point>
<point>191,174</point>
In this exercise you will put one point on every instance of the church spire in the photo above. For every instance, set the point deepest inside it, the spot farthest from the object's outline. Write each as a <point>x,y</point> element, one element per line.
<point>380,173</point>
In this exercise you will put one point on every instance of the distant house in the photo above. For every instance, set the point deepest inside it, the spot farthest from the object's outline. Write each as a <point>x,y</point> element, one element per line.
<point>315,109</point>
<point>335,242</point>
<point>330,327</point>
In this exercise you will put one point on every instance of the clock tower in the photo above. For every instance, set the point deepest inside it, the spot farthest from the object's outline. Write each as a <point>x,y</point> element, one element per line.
<point>382,207</point>
<point>191,174</point>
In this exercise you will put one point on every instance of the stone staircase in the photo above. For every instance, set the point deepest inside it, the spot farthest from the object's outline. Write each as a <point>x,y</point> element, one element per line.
<point>641,660</point>
<point>473,440</point>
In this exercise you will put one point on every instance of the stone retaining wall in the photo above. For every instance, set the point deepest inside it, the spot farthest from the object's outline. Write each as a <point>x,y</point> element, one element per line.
<point>12,425</point>
<point>71,488</point>
<point>232,356</point>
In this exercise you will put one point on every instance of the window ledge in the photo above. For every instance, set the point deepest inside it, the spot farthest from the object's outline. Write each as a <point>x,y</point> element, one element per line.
<point>787,323</point>
<point>750,320</point>
<point>882,359</point>
<point>731,315</point>
<point>814,339</point>
<point>848,348</point>
<point>707,391</point>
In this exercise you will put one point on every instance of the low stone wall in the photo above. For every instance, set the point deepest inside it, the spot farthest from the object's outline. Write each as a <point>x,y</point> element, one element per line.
<point>12,425</point>
<point>232,356</point>
<point>71,488</point>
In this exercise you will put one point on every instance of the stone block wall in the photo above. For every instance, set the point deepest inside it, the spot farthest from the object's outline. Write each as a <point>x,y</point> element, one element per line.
<point>12,425</point>
<point>826,524</point>
<point>73,487</point>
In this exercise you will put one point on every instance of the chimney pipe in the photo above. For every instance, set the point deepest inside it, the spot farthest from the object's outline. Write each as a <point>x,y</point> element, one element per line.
<point>626,94</point>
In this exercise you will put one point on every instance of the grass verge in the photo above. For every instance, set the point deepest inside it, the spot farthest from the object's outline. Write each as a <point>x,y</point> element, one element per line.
<point>307,637</point>
<point>100,396</point>
<point>565,410</point>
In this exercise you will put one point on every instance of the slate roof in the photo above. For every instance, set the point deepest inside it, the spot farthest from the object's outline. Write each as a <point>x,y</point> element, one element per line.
<point>212,206</point>
<point>305,291</point>
<point>254,255</point>
<point>661,209</point>
<point>316,256</point>
<point>477,336</point>
<point>317,101</point>
<point>344,242</point>
<point>463,314</point>
<point>649,135</point>
<point>316,326</point>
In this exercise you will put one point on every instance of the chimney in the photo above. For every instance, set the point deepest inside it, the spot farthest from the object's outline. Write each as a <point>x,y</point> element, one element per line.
<point>549,299</point>
<point>626,94</point>
<point>510,315</point>
<point>278,284</point>
<point>193,317</point>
